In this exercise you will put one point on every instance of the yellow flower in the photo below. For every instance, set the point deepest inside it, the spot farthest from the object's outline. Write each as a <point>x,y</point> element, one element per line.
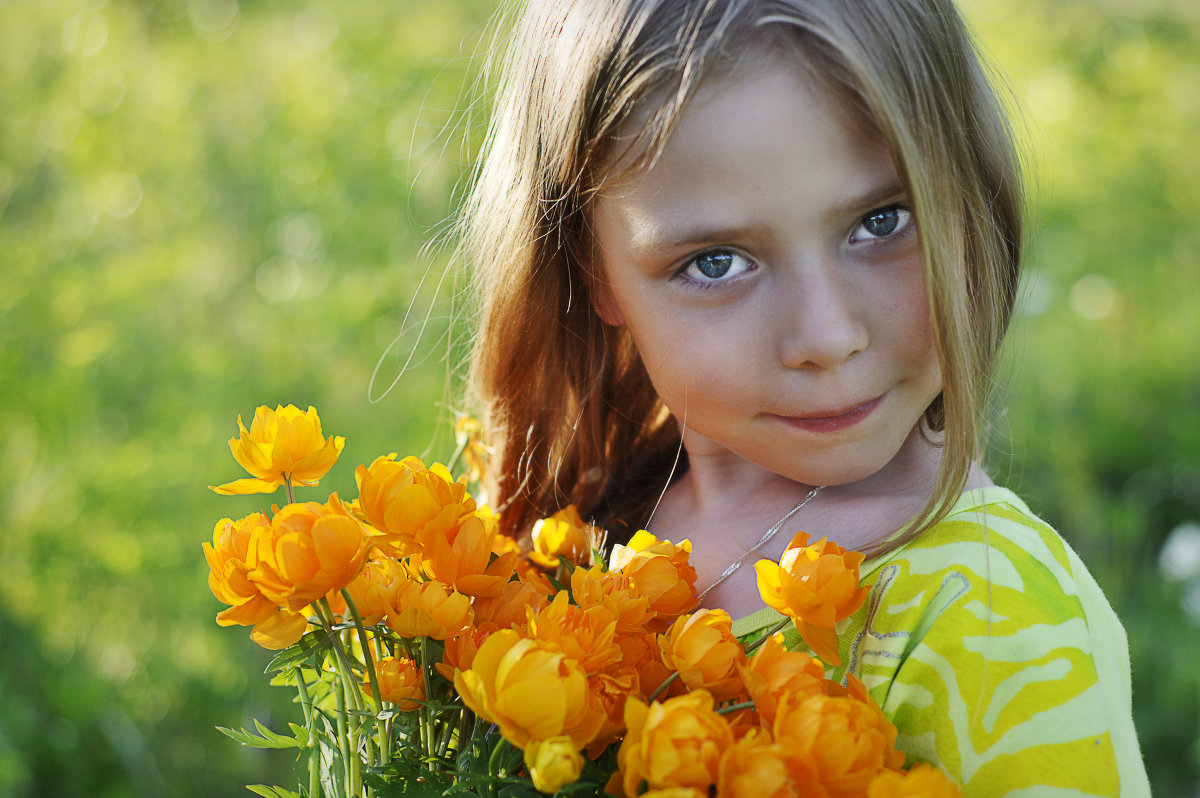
<point>468,434</point>
<point>310,551</point>
<point>846,741</point>
<point>564,535</point>
<point>923,781</point>
<point>400,681</point>
<point>701,646</point>
<point>584,635</point>
<point>553,763</point>
<point>460,554</point>
<point>281,443</point>
<point>408,503</point>
<point>773,670</point>
<point>427,609</point>
<point>676,743</point>
<point>816,585</point>
<point>229,577</point>
<point>228,570</point>
<point>280,629</point>
<point>530,692</point>
<point>661,572</point>
<point>594,586</point>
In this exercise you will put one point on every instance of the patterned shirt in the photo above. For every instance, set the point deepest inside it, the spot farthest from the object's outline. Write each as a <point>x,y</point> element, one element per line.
<point>994,652</point>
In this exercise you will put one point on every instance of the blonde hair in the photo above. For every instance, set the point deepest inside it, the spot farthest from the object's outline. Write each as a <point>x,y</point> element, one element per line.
<point>568,405</point>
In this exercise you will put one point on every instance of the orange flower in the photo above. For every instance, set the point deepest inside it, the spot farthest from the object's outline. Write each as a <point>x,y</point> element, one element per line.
<point>427,609</point>
<point>676,743</point>
<point>408,503</point>
<point>595,587</point>
<point>553,763</point>
<point>461,649</point>
<point>584,635</point>
<point>372,588</point>
<point>400,681</point>
<point>816,585</point>
<point>564,535</point>
<point>757,767</point>
<point>701,646</point>
<point>923,781</point>
<point>281,443</point>
<point>643,654</point>
<point>610,690</point>
<point>311,550</point>
<point>845,740</point>
<point>661,572</point>
<point>460,554</point>
<point>509,610</point>
<point>535,577</point>
<point>773,670</point>
<point>530,692</point>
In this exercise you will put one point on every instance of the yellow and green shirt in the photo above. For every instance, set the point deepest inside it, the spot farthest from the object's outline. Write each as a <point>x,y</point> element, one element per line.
<point>991,648</point>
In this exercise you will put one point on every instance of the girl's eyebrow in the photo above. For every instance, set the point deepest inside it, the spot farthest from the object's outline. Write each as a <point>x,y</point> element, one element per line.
<point>869,199</point>
<point>674,239</point>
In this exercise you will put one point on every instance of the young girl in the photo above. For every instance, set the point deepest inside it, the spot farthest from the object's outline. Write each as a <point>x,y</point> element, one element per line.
<point>744,267</point>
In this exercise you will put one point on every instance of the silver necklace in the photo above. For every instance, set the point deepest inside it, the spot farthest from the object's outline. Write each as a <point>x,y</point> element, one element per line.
<point>771,532</point>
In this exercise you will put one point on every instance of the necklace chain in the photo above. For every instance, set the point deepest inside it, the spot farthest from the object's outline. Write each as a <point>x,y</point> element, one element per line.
<point>771,532</point>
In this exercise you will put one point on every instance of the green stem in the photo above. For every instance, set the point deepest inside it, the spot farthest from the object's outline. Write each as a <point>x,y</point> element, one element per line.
<point>345,674</point>
<point>427,710</point>
<point>458,453</point>
<point>314,747</point>
<point>666,683</point>
<point>344,739</point>
<point>757,644</point>
<point>291,491</point>
<point>735,708</point>
<point>462,730</point>
<point>494,764</point>
<point>380,726</point>
<point>444,744</point>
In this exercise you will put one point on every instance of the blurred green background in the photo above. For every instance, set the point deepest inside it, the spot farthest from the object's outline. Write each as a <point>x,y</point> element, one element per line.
<point>208,205</point>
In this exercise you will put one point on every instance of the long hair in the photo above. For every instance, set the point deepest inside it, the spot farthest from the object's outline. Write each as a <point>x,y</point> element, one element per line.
<point>568,405</point>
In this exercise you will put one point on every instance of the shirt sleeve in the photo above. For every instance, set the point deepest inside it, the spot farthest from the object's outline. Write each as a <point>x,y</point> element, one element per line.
<point>990,650</point>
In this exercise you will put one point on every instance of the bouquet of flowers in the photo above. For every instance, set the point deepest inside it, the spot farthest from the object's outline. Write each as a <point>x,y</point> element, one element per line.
<point>431,656</point>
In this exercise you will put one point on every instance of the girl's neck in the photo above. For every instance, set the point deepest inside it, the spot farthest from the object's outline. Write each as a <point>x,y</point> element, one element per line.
<point>723,504</point>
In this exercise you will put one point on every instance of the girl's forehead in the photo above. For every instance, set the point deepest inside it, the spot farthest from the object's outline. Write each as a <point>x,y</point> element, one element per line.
<point>653,123</point>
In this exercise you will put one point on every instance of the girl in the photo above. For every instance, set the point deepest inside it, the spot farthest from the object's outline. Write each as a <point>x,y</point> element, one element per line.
<point>744,267</point>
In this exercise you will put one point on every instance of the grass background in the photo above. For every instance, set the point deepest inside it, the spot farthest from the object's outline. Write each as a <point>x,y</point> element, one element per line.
<point>206,205</point>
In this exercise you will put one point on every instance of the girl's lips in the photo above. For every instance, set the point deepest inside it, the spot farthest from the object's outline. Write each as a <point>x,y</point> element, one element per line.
<point>835,421</point>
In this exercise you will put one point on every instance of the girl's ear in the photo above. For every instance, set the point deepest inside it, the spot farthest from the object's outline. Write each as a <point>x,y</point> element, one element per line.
<point>605,303</point>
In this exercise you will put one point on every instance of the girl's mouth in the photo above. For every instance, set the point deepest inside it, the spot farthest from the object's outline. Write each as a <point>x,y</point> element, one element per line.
<point>836,420</point>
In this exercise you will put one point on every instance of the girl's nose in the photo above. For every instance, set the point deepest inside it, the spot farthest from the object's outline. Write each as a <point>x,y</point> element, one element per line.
<point>821,321</point>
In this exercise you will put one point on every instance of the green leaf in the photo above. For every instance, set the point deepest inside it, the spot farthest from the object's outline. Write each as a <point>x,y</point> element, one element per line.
<point>272,792</point>
<point>522,788</point>
<point>409,776</point>
<point>308,649</point>
<point>267,738</point>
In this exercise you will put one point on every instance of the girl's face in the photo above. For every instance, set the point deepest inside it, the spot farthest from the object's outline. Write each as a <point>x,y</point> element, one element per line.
<point>769,271</point>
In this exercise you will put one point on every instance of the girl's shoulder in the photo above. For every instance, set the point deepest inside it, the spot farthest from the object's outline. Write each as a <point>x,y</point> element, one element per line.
<point>990,532</point>
<point>988,628</point>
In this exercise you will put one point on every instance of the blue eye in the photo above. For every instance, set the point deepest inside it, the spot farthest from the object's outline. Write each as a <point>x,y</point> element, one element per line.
<point>718,265</point>
<point>882,223</point>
